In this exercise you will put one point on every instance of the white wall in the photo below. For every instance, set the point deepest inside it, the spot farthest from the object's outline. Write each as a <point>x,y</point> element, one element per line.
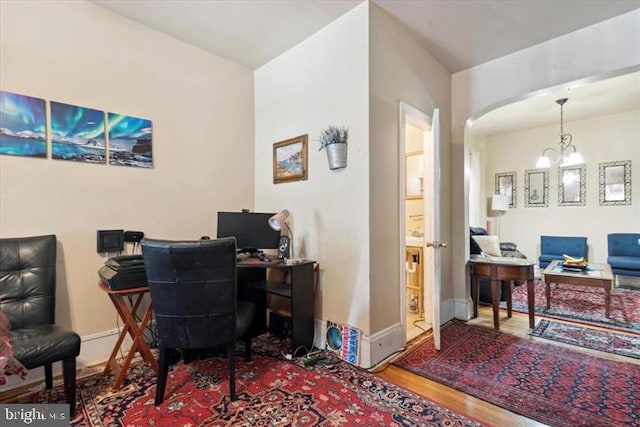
<point>323,80</point>
<point>201,109</point>
<point>401,70</point>
<point>602,48</point>
<point>600,139</point>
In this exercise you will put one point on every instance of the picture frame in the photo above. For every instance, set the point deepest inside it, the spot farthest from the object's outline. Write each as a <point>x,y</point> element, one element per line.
<point>614,183</point>
<point>572,185</point>
<point>290,159</point>
<point>505,184</point>
<point>536,188</point>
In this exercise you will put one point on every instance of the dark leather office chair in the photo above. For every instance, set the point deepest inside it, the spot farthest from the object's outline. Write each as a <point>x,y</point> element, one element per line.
<point>27,298</point>
<point>193,286</point>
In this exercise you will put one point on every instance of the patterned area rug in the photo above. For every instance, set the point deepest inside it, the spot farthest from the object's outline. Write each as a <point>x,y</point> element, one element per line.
<point>584,305</point>
<point>610,342</point>
<point>271,392</point>
<point>548,383</point>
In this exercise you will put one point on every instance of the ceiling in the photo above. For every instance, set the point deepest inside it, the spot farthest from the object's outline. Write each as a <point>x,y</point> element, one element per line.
<point>253,32</point>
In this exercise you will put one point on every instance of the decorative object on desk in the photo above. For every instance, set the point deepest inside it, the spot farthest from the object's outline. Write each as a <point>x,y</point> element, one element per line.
<point>584,305</point>
<point>344,341</point>
<point>536,188</point>
<point>334,140</point>
<point>568,154</point>
<point>77,133</point>
<point>268,393</point>
<point>505,184</point>
<point>615,183</point>
<point>23,128</point>
<point>611,342</point>
<point>130,141</point>
<point>290,160</point>
<point>276,222</point>
<point>529,377</point>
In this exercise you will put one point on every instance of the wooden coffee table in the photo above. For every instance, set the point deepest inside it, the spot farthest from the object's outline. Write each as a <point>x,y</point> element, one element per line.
<point>596,276</point>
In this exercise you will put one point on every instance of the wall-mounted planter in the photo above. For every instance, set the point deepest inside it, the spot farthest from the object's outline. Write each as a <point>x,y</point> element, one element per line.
<point>337,155</point>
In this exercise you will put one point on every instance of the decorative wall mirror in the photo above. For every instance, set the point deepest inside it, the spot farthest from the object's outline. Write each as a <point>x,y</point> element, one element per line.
<point>572,185</point>
<point>536,188</point>
<point>506,184</point>
<point>414,182</point>
<point>615,183</point>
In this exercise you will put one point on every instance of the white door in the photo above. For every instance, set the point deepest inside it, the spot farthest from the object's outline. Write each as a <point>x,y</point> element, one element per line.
<point>433,243</point>
<point>431,199</point>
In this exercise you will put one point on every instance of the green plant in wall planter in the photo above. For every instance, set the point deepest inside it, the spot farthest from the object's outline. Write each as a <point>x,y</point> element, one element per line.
<point>334,140</point>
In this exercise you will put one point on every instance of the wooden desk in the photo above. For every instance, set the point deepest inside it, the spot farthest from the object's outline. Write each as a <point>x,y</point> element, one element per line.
<point>300,291</point>
<point>597,275</point>
<point>497,269</point>
<point>127,314</point>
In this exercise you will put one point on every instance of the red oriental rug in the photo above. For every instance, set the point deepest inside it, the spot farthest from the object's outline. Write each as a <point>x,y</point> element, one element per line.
<point>583,305</point>
<point>597,339</point>
<point>271,392</point>
<point>545,382</point>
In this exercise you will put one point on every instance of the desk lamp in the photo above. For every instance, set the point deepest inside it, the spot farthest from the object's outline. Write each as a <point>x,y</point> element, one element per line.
<point>276,222</point>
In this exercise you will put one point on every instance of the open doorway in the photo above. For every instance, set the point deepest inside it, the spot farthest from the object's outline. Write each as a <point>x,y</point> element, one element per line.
<point>419,181</point>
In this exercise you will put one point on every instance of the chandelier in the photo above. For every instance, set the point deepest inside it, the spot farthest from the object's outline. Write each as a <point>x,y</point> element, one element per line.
<point>568,154</point>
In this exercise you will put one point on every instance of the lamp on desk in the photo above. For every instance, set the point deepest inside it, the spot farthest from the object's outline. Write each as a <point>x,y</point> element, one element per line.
<point>276,222</point>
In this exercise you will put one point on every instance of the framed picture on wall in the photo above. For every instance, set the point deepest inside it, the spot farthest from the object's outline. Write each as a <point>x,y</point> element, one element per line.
<point>23,127</point>
<point>536,188</point>
<point>290,160</point>
<point>506,185</point>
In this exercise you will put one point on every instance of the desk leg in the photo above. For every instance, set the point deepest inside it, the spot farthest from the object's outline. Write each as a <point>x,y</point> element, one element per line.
<point>475,294</point>
<point>531,302</point>
<point>506,289</point>
<point>495,303</point>
<point>607,299</point>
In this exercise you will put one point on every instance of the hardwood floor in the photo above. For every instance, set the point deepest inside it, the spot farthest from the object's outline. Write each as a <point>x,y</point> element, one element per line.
<point>468,405</point>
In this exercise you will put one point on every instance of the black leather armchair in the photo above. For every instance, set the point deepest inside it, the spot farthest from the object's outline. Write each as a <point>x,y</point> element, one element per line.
<point>193,286</point>
<point>27,298</point>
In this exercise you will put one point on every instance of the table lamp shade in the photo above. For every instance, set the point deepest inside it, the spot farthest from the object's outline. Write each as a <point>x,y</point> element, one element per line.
<point>499,202</point>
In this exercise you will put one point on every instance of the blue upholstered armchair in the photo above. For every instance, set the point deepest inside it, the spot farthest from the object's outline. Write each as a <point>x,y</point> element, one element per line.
<point>553,247</point>
<point>624,253</point>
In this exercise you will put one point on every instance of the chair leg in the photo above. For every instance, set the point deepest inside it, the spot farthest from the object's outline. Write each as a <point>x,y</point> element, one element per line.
<point>232,372</point>
<point>163,372</point>
<point>48,376</point>
<point>69,378</point>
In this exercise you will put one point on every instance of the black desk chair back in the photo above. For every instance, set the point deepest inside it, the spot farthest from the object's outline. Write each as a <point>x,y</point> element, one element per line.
<point>193,286</point>
<point>27,298</point>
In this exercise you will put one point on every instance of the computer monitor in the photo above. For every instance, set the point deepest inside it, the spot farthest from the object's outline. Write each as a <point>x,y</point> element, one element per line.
<point>251,230</point>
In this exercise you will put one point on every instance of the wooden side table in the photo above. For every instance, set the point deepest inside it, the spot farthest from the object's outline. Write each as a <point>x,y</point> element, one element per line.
<point>502,268</point>
<point>127,314</point>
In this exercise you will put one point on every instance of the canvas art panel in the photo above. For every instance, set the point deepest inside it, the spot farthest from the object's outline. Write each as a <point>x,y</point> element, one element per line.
<point>77,133</point>
<point>290,160</point>
<point>130,141</point>
<point>22,125</point>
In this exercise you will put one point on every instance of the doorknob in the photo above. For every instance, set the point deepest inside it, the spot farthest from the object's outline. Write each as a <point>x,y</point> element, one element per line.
<point>436,244</point>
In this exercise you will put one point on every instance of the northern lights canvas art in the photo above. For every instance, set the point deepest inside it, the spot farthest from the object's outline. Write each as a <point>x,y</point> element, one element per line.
<point>77,133</point>
<point>130,141</point>
<point>22,125</point>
